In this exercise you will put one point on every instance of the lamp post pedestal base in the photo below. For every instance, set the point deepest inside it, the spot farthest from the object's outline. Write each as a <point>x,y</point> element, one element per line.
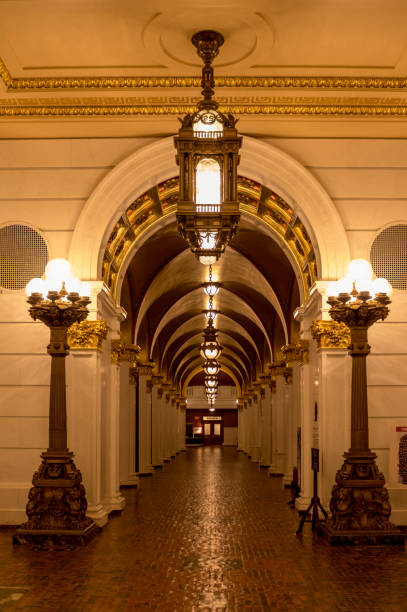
<point>56,507</point>
<point>360,504</point>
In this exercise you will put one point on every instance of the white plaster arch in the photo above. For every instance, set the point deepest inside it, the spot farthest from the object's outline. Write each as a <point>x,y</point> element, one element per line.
<point>260,161</point>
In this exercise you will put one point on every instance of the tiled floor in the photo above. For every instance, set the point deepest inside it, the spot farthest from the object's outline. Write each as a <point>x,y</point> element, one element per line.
<point>210,533</point>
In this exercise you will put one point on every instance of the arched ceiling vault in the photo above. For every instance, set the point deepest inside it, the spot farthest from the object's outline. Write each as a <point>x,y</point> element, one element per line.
<point>265,271</point>
<point>229,305</point>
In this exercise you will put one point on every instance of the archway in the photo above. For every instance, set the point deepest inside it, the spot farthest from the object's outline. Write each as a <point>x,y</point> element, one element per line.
<point>290,235</point>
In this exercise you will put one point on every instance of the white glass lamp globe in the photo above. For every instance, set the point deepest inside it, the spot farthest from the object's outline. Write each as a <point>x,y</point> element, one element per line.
<point>359,269</point>
<point>73,285</point>
<point>364,284</point>
<point>58,269</point>
<point>207,260</point>
<point>36,285</point>
<point>344,285</point>
<point>211,289</point>
<point>332,289</point>
<point>381,285</point>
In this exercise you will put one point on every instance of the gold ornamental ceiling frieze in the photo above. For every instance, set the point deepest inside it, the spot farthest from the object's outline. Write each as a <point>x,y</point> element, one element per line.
<point>10,108</point>
<point>254,199</point>
<point>166,96</point>
<point>268,82</point>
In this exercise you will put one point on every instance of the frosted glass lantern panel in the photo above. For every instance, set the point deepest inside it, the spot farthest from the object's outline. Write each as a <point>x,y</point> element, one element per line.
<point>207,182</point>
<point>208,123</point>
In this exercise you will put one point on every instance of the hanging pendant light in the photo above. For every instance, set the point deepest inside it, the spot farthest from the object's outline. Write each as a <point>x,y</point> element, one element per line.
<point>208,155</point>
<point>210,347</point>
<point>211,288</point>
<point>210,314</point>
<point>211,367</point>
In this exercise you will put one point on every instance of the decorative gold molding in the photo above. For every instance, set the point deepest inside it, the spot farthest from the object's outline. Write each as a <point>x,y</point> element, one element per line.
<point>87,335</point>
<point>253,197</point>
<point>121,351</point>
<point>103,110</point>
<point>296,352</point>
<point>275,82</point>
<point>330,334</point>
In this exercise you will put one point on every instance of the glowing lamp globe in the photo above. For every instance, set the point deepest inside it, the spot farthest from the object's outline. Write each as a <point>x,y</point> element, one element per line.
<point>381,285</point>
<point>58,270</point>
<point>359,269</point>
<point>35,286</point>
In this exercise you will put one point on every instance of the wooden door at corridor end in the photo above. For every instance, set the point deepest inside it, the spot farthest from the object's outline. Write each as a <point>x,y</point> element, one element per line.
<point>212,430</point>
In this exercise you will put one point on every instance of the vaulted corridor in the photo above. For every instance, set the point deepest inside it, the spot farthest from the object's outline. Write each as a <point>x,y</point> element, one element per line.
<point>211,532</point>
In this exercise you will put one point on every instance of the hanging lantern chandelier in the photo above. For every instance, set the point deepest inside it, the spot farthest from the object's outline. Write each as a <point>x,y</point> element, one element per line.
<point>208,155</point>
<point>210,287</point>
<point>210,347</point>
<point>211,367</point>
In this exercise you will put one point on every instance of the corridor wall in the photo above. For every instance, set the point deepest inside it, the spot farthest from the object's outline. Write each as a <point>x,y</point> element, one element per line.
<point>45,183</point>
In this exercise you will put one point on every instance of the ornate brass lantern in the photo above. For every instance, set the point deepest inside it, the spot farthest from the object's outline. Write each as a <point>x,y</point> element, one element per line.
<point>210,347</point>
<point>208,155</point>
<point>211,367</point>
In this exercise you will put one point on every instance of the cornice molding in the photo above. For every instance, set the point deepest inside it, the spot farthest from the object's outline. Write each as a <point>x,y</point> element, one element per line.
<point>275,82</point>
<point>103,110</point>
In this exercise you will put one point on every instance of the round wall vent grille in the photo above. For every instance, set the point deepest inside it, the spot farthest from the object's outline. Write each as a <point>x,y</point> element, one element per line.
<point>388,255</point>
<point>23,256</point>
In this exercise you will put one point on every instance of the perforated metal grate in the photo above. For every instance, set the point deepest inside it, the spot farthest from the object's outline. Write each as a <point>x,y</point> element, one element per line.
<point>388,255</point>
<point>23,256</point>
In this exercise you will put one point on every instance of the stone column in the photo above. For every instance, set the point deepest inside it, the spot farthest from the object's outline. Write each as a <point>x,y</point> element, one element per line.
<point>240,417</point>
<point>256,423</point>
<point>144,370</point>
<point>84,379</point>
<point>279,424</point>
<point>266,410</point>
<point>124,355</point>
<point>182,425</point>
<point>166,409</point>
<point>157,422</point>
<point>296,355</point>
<point>324,396</point>
<point>246,424</point>
<point>93,408</point>
<point>173,423</point>
<point>249,423</point>
<point>332,340</point>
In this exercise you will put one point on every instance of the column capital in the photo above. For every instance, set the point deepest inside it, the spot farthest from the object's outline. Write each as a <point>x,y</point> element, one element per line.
<point>145,368</point>
<point>87,335</point>
<point>277,368</point>
<point>123,351</point>
<point>330,334</point>
<point>268,380</point>
<point>297,351</point>
<point>288,375</point>
<point>259,388</point>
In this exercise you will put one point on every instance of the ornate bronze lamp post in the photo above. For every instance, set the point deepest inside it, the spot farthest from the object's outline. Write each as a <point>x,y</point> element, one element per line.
<point>56,507</point>
<point>360,502</point>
